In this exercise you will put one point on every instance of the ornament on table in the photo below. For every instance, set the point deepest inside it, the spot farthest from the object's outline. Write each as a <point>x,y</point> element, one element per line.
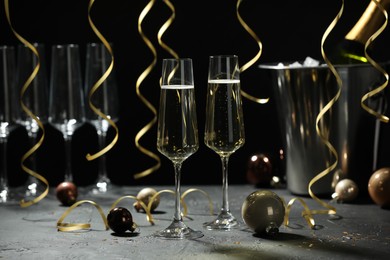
<point>337,177</point>
<point>67,193</point>
<point>379,187</point>
<point>145,195</point>
<point>259,170</point>
<point>120,220</point>
<point>263,211</point>
<point>346,190</point>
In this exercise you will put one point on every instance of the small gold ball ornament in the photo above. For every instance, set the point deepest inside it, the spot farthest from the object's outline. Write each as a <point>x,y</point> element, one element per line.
<point>263,211</point>
<point>145,195</point>
<point>379,187</point>
<point>346,191</point>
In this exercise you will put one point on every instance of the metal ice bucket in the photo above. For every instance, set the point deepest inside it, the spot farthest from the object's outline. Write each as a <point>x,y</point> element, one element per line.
<point>300,93</point>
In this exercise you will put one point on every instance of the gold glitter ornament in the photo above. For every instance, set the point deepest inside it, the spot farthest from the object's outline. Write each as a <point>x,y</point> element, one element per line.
<point>145,195</point>
<point>263,211</point>
<point>346,190</point>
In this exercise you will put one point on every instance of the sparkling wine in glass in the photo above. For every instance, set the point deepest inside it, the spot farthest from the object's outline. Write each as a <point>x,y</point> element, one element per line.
<point>9,111</point>
<point>177,132</point>
<point>105,99</point>
<point>35,98</point>
<point>224,127</point>
<point>66,102</point>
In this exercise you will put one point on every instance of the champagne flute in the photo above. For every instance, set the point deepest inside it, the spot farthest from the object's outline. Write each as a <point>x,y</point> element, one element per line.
<point>105,98</point>
<point>35,98</point>
<point>224,127</point>
<point>177,132</point>
<point>9,110</point>
<point>66,102</point>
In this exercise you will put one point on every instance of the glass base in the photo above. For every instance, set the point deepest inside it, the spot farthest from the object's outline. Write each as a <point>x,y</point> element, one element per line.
<point>102,186</point>
<point>7,197</point>
<point>178,230</point>
<point>33,189</point>
<point>224,221</point>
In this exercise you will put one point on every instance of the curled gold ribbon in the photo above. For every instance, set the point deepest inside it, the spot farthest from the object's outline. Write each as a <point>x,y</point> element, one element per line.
<point>254,59</point>
<point>24,203</point>
<point>165,26</point>
<point>381,88</point>
<point>143,75</point>
<point>146,208</point>
<point>307,213</point>
<point>66,227</point>
<point>97,85</point>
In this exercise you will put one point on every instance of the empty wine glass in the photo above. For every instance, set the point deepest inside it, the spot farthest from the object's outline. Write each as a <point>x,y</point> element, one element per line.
<point>105,98</point>
<point>224,127</point>
<point>177,132</point>
<point>9,111</point>
<point>66,102</point>
<point>35,98</point>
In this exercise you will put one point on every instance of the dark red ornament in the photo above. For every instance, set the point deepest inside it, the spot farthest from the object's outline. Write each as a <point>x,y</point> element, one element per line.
<point>259,170</point>
<point>120,220</point>
<point>67,193</point>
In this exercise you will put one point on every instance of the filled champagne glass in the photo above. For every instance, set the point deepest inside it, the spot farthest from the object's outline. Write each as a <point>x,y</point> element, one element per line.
<point>35,98</point>
<point>105,98</point>
<point>177,132</point>
<point>66,102</point>
<point>9,112</point>
<point>224,126</point>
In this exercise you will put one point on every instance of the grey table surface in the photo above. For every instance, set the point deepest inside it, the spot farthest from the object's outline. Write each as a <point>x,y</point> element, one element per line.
<point>362,232</point>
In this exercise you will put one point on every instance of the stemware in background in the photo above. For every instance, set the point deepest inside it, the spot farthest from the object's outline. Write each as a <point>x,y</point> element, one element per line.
<point>35,99</point>
<point>105,98</point>
<point>9,111</point>
<point>224,127</point>
<point>66,100</point>
<point>177,132</point>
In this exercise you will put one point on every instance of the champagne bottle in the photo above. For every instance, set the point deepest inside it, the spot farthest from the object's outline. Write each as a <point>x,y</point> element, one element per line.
<point>351,49</point>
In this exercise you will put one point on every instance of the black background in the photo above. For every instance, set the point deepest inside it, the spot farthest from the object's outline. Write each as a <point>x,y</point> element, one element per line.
<point>289,31</point>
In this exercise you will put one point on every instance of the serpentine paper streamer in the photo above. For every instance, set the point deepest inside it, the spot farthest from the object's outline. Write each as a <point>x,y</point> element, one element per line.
<point>254,59</point>
<point>165,27</point>
<point>61,226</point>
<point>381,88</point>
<point>66,227</point>
<point>24,203</point>
<point>97,85</point>
<point>307,213</point>
<point>143,75</point>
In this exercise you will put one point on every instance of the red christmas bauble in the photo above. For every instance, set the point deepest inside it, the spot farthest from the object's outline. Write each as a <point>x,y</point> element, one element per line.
<point>67,193</point>
<point>259,170</point>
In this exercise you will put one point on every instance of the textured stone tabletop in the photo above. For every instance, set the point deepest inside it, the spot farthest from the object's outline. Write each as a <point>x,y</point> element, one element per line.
<point>362,232</point>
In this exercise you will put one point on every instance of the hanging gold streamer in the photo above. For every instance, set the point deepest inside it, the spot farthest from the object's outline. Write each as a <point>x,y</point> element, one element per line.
<point>143,75</point>
<point>24,203</point>
<point>381,88</point>
<point>66,227</point>
<point>97,85</point>
<point>307,213</point>
<point>254,59</point>
<point>165,27</point>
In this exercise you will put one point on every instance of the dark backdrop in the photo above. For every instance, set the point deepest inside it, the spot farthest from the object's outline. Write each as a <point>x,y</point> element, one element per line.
<point>289,31</point>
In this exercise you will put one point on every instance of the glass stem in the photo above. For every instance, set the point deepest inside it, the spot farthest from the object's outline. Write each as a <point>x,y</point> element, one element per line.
<point>3,176</point>
<point>102,160</point>
<point>225,199</point>
<point>68,158</point>
<point>177,167</point>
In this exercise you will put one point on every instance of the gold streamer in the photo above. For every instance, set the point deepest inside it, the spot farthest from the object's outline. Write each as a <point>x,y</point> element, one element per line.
<point>165,27</point>
<point>97,85</point>
<point>146,208</point>
<point>79,226</point>
<point>24,203</point>
<point>307,213</point>
<point>254,59</point>
<point>143,75</point>
<point>66,227</point>
<point>381,88</point>
<point>185,208</point>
